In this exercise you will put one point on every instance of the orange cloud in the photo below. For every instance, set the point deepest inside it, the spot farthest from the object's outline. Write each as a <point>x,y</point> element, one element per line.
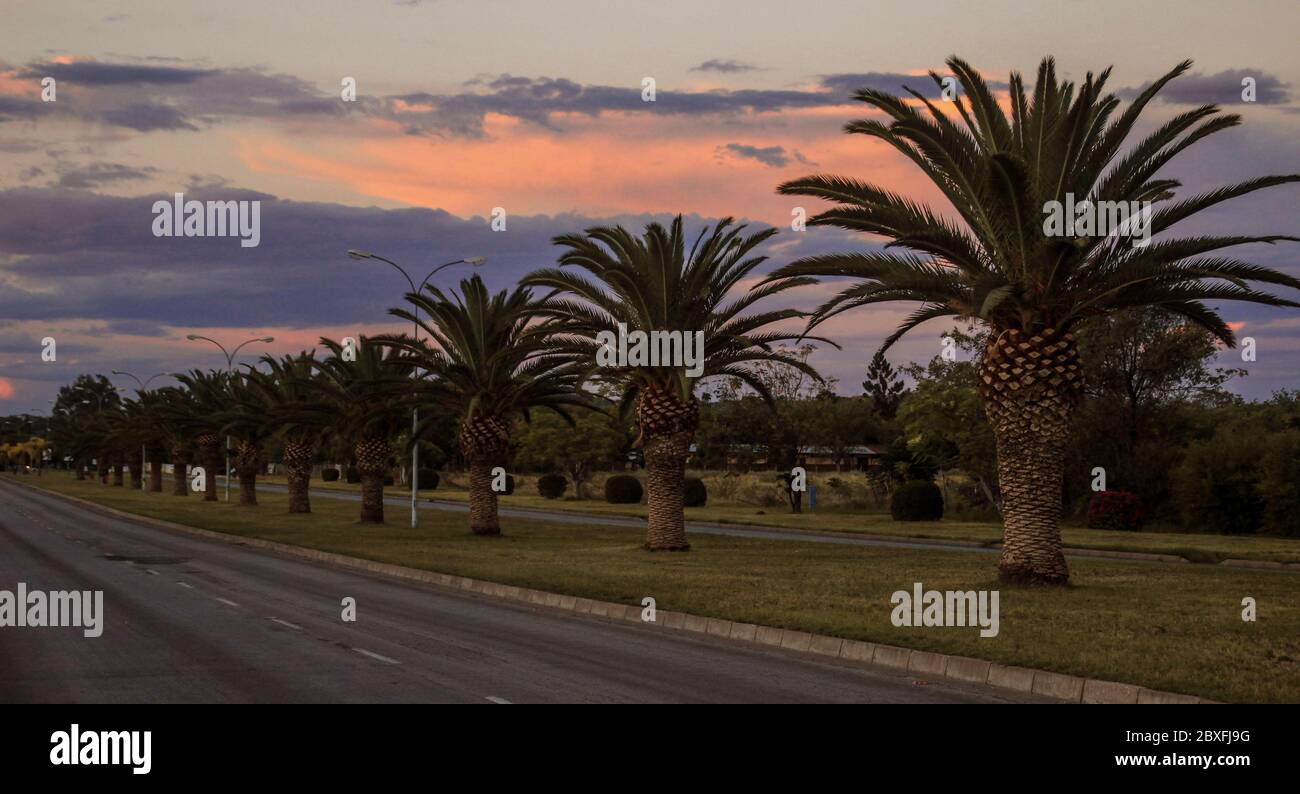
<point>6,389</point>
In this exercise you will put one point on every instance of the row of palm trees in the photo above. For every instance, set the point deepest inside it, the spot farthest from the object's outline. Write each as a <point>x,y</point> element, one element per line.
<point>490,358</point>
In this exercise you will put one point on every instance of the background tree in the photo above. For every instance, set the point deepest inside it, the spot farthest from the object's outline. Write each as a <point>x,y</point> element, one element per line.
<point>592,442</point>
<point>883,386</point>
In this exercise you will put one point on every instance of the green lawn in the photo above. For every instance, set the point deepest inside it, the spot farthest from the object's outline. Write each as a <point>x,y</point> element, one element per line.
<point>1171,627</point>
<point>1194,547</point>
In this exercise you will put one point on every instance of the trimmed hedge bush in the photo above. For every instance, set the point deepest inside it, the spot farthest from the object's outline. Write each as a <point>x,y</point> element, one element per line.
<point>623,489</point>
<point>695,494</point>
<point>510,486</point>
<point>1115,510</point>
<point>354,476</point>
<point>429,480</point>
<point>917,500</point>
<point>552,486</point>
<point>329,475</point>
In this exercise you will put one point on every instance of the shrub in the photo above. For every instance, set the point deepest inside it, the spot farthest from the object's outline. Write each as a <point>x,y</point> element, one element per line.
<point>623,489</point>
<point>695,494</point>
<point>510,486</point>
<point>1279,483</point>
<point>917,500</point>
<point>1115,510</point>
<point>1217,485</point>
<point>552,486</point>
<point>329,475</point>
<point>429,480</point>
<point>354,476</point>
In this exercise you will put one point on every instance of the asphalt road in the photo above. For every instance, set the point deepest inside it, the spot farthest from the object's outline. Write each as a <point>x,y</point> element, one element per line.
<point>193,620</point>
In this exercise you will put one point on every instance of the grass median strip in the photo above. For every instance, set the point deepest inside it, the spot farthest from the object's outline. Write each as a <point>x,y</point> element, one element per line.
<point>1196,547</point>
<point>1175,628</point>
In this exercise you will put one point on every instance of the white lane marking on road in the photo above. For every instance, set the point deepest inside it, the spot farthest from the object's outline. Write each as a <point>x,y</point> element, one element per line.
<point>374,655</point>
<point>186,585</point>
<point>228,601</point>
<point>151,571</point>
<point>502,701</point>
<point>286,623</point>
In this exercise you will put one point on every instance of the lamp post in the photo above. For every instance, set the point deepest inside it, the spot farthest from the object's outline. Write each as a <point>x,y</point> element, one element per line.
<point>138,392</point>
<point>230,365</point>
<point>475,261</point>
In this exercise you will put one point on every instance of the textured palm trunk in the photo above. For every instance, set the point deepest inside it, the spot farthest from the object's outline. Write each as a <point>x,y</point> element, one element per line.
<point>210,458</point>
<point>1030,385</point>
<point>667,423</point>
<point>155,474</point>
<point>248,462</point>
<point>117,474</point>
<point>137,470</point>
<point>297,467</point>
<point>180,471</point>
<point>102,471</point>
<point>372,463</point>
<point>484,440</point>
<point>81,469</point>
<point>483,516</point>
<point>665,462</point>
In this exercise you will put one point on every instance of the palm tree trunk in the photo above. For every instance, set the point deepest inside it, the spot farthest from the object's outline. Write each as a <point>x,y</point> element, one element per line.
<point>210,456</point>
<point>297,467</point>
<point>1031,464</point>
<point>180,473</point>
<point>247,463</point>
<point>483,516</point>
<point>665,462</point>
<point>372,497</point>
<point>1029,385</point>
<point>117,474</point>
<point>81,469</point>
<point>155,474</point>
<point>137,470</point>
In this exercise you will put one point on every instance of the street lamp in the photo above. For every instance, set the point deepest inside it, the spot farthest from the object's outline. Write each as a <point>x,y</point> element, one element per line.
<point>475,261</point>
<point>230,365</point>
<point>139,391</point>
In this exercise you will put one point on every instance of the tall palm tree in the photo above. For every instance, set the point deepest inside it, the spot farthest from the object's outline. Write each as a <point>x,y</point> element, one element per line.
<point>202,414</point>
<point>297,408</point>
<point>368,385</point>
<point>1002,264</point>
<point>488,369</point>
<point>652,283</point>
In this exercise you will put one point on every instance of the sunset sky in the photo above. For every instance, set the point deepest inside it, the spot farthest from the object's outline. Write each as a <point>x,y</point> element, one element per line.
<point>536,108</point>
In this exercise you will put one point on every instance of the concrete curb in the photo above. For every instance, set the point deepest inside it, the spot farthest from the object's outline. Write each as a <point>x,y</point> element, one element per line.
<point>1045,683</point>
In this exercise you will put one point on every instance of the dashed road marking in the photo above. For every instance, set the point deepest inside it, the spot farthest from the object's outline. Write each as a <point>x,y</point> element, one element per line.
<point>228,602</point>
<point>294,626</point>
<point>151,571</point>
<point>502,701</point>
<point>374,655</point>
<point>186,585</point>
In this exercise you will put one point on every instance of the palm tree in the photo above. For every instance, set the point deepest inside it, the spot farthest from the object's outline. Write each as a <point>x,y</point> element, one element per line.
<point>652,283</point>
<point>175,408</point>
<point>368,385</point>
<point>298,410</point>
<point>246,419</point>
<point>202,414</point>
<point>1000,266</point>
<point>488,369</point>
